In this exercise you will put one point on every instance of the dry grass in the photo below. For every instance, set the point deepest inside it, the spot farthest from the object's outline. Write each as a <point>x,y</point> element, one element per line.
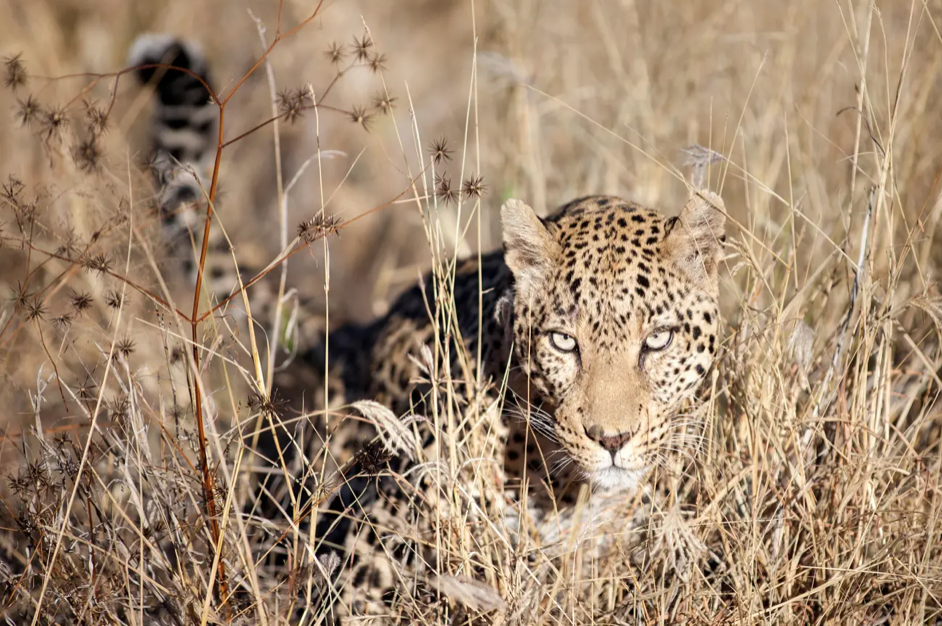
<point>815,495</point>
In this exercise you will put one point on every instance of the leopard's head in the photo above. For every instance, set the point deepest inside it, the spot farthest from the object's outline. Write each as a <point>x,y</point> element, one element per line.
<point>615,323</point>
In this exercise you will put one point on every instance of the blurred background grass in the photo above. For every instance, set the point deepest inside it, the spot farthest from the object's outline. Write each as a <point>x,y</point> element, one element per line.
<point>814,105</point>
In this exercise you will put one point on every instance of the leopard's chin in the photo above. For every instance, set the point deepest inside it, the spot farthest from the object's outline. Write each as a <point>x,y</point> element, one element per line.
<point>614,478</point>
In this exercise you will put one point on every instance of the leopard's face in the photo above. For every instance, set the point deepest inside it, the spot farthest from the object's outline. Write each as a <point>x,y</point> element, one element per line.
<point>615,323</point>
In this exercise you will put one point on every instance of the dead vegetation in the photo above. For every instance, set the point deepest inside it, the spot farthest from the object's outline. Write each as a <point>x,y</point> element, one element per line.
<point>132,407</point>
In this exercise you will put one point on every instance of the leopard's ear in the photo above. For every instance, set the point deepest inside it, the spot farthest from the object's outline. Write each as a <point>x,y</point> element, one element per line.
<point>695,242</point>
<point>530,250</point>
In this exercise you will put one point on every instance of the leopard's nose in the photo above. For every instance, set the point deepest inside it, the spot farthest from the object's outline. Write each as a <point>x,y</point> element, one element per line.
<point>611,442</point>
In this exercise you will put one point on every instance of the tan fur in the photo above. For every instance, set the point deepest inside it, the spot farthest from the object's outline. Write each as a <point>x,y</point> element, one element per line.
<point>600,271</point>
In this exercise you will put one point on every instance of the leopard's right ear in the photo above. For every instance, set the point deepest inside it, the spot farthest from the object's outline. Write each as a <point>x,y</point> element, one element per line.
<point>530,250</point>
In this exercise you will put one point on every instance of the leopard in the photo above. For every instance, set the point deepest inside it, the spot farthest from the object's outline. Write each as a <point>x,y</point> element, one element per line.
<point>602,319</point>
<point>582,337</point>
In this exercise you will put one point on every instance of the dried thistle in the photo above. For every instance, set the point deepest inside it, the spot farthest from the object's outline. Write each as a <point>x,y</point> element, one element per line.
<point>70,247</point>
<point>20,295</point>
<point>384,103</point>
<point>86,154</point>
<point>125,347</point>
<point>361,47</point>
<point>372,457</point>
<point>54,122</point>
<point>265,404</point>
<point>98,263</point>
<point>62,322</point>
<point>81,302</point>
<point>19,485</point>
<point>119,408</point>
<point>359,115</point>
<point>11,190</point>
<point>473,187</point>
<point>88,390</point>
<point>25,215</point>
<point>36,310</point>
<point>318,227</point>
<point>15,71</point>
<point>336,53</point>
<point>444,190</point>
<point>377,62</point>
<point>114,299</point>
<point>27,112</point>
<point>440,151</point>
<point>291,104</point>
<point>66,463</point>
<point>97,119</point>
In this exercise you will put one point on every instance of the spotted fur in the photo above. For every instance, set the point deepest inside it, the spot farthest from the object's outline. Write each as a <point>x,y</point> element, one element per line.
<point>604,315</point>
<point>602,318</point>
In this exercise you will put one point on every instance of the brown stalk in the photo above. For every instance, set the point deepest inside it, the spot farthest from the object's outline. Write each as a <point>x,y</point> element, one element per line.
<point>207,476</point>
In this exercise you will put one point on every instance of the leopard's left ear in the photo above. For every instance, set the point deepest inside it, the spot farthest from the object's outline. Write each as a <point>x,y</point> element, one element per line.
<point>695,241</point>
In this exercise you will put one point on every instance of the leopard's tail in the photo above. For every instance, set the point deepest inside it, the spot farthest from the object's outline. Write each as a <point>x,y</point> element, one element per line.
<point>183,139</point>
<point>185,121</point>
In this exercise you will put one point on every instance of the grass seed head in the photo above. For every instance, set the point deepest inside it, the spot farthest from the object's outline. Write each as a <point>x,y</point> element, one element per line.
<point>15,75</point>
<point>384,103</point>
<point>28,111</point>
<point>336,53</point>
<point>362,47</point>
<point>473,187</point>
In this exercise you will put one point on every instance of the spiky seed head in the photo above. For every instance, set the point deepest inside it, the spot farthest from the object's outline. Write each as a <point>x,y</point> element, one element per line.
<point>439,150</point>
<point>359,115</point>
<point>10,191</point>
<point>86,154</point>
<point>54,123</point>
<point>318,227</point>
<point>336,52</point>
<point>81,302</point>
<point>291,104</point>
<point>125,347</point>
<point>97,263</point>
<point>35,310</point>
<point>444,191</point>
<point>361,47</point>
<point>62,322</point>
<point>15,72</point>
<point>28,111</point>
<point>114,299</point>
<point>384,103</point>
<point>97,119</point>
<point>377,62</point>
<point>473,187</point>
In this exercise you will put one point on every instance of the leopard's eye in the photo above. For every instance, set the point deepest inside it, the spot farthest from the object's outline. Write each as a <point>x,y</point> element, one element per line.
<point>563,342</point>
<point>659,339</point>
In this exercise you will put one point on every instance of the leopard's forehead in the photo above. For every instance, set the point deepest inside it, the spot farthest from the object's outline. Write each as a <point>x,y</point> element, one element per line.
<point>611,248</point>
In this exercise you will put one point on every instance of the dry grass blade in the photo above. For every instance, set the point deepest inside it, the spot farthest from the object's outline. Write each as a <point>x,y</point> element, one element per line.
<point>395,432</point>
<point>471,593</point>
<point>144,438</point>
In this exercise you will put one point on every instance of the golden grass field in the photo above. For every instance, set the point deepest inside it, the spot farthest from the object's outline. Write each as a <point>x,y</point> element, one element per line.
<point>816,495</point>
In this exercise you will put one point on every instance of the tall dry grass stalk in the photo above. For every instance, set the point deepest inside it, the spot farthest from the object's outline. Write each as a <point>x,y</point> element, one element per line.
<point>812,494</point>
